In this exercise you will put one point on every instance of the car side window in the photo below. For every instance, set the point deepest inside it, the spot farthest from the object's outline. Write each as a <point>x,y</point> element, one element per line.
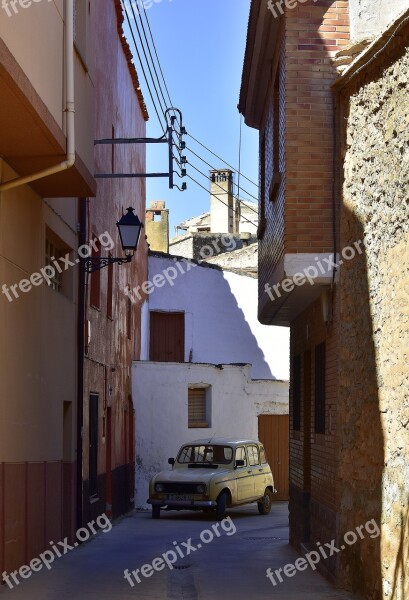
<point>253,455</point>
<point>263,457</point>
<point>241,455</point>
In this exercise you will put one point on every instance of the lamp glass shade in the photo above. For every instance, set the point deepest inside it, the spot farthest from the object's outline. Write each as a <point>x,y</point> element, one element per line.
<point>129,227</point>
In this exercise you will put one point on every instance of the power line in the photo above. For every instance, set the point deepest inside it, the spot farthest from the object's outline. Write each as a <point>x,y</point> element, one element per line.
<point>219,186</point>
<point>217,197</point>
<point>220,158</point>
<point>214,169</point>
<point>142,67</point>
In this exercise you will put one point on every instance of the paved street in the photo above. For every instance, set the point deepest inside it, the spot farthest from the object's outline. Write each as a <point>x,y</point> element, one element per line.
<point>231,567</point>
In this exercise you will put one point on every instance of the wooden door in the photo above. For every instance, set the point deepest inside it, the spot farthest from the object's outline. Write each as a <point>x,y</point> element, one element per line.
<point>167,337</point>
<point>273,433</point>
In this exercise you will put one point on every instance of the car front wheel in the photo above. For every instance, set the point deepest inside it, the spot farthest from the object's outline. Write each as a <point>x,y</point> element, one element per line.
<point>221,506</point>
<point>264,506</point>
<point>155,512</point>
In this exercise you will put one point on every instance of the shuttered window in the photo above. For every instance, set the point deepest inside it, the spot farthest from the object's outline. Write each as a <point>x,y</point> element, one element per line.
<point>198,407</point>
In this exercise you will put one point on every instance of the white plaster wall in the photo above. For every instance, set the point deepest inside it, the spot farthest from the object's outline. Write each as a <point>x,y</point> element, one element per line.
<point>221,324</point>
<point>370,17</point>
<point>160,393</point>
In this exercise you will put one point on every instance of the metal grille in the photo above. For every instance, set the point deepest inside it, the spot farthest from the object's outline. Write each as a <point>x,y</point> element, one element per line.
<point>179,488</point>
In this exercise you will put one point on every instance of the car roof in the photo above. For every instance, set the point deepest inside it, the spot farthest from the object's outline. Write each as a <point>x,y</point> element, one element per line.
<point>222,441</point>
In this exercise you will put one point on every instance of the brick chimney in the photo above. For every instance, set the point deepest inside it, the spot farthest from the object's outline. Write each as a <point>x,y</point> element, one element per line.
<point>224,217</point>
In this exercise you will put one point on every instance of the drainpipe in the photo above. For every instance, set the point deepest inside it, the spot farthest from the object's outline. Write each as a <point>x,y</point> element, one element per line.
<point>69,108</point>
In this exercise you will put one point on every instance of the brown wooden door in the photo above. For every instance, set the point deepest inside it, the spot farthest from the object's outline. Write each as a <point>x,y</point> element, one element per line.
<point>273,433</point>
<point>167,337</point>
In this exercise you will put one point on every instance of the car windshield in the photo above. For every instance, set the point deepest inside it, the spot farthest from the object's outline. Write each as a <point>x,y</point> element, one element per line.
<point>208,454</point>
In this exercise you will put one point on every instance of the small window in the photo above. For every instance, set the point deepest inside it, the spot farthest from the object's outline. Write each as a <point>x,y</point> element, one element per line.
<point>93,444</point>
<point>296,389</point>
<point>252,452</point>
<point>241,455</point>
<point>53,254</point>
<point>199,407</point>
<point>128,316</point>
<point>263,457</point>
<point>320,388</point>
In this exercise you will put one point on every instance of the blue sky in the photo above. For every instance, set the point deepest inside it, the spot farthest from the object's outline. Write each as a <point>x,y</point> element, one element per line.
<point>201,47</point>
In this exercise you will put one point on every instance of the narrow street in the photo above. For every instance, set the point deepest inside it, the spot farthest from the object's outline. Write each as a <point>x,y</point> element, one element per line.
<point>231,567</point>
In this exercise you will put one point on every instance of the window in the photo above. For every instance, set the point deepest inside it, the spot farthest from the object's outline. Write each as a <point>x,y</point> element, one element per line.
<point>275,182</point>
<point>55,253</point>
<point>252,452</point>
<point>93,445</point>
<point>296,389</point>
<point>198,407</point>
<point>221,455</point>
<point>95,287</point>
<point>320,388</point>
<point>241,455</point>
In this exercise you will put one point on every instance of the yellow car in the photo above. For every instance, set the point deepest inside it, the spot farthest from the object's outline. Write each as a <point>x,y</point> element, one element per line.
<point>214,474</point>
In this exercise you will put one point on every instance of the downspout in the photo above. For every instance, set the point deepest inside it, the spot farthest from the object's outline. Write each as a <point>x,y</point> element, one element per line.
<point>80,357</point>
<point>69,108</point>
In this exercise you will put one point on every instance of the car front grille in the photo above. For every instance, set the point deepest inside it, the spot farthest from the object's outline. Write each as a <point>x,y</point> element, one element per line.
<point>179,488</point>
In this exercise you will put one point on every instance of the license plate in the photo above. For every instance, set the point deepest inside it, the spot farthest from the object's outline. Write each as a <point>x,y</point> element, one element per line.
<point>179,497</point>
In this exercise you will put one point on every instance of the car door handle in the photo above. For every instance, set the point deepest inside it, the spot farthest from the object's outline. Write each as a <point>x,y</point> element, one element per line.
<point>249,472</point>
<point>261,470</point>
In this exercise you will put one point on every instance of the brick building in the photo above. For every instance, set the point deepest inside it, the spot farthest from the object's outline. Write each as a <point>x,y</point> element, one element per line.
<point>318,276</point>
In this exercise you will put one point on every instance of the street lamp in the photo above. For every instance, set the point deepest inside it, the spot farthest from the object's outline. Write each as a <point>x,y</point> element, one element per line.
<point>129,227</point>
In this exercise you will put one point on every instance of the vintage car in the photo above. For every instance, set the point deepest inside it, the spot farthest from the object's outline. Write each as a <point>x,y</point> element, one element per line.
<point>214,474</point>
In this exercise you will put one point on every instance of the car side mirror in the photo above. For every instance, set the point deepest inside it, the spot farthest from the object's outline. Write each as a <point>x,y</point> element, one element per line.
<point>171,461</point>
<point>240,463</point>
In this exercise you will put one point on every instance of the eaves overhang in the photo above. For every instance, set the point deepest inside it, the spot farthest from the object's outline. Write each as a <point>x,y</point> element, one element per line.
<point>262,37</point>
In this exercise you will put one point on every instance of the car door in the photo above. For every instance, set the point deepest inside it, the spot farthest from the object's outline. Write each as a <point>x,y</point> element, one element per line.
<point>257,470</point>
<point>244,477</point>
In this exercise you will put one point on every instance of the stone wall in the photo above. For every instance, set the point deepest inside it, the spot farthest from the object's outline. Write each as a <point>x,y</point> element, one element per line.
<point>374,380</point>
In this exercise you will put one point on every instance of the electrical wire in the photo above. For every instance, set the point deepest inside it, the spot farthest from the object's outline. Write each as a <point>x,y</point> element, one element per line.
<point>214,169</point>
<point>147,61</point>
<point>159,85</point>
<point>220,158</point>
<point>142,67</point>
<point>219,186</point>
<point>217,197</point>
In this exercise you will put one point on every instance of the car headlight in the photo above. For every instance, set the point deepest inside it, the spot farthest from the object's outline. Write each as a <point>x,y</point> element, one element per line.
<point>201,488</point>
<point>159,487</point>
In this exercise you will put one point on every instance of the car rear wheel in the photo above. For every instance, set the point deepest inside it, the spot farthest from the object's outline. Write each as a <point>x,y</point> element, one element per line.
<point>264,506</point>
<point>221,506</point>
<point>155,512</point>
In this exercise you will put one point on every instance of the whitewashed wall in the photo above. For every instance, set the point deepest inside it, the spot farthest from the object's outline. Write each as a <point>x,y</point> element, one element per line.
<point>160,392</point>
<point>221,319</point>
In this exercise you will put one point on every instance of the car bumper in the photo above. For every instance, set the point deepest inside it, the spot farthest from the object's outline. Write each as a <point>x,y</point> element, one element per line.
<point>184,503</point>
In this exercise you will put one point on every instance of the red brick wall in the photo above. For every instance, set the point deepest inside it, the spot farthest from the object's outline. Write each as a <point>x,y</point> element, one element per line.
<point>314,33</point>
